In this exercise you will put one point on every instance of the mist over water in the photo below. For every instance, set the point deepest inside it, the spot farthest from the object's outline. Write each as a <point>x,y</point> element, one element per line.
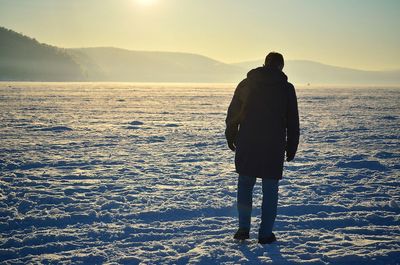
<point>101,172</point>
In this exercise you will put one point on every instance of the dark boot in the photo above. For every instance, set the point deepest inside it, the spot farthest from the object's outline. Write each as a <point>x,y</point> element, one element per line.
<point>267,240</point>
<point>241,234</point>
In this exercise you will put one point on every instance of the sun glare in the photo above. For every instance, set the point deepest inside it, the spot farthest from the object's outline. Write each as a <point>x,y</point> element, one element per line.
<point>146,2</point>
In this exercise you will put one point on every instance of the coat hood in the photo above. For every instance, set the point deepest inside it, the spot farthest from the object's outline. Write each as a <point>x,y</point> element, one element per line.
<point>267,75</point>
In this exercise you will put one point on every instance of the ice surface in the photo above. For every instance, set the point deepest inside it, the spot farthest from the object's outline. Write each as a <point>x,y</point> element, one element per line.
<point>128,173</point>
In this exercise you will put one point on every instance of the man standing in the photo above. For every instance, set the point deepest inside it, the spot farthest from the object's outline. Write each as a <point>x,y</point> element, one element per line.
<point>262,123</point>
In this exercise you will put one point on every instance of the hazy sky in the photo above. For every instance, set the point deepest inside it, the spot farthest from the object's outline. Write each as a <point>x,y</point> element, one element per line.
<point>363,34</point>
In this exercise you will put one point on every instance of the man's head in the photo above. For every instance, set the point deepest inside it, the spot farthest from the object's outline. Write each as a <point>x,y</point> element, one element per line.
<point>274,60</point>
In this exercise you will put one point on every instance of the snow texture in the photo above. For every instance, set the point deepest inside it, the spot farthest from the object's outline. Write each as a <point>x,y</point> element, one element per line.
<point>140,174</point>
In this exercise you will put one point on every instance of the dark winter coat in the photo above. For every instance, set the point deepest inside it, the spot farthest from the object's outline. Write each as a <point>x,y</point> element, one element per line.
<point>263,122</point>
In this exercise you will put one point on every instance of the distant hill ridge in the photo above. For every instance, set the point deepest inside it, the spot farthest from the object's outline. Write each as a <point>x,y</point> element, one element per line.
<point>305,71</point>
<point>114,64</point>
<point>25,59</point>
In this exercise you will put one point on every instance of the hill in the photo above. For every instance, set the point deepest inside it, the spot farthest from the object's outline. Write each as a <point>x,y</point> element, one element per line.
<point>113,64</point>
<point>25,59</point>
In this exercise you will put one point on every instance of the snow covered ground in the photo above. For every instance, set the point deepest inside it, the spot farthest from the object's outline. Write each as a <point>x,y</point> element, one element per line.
<point>132,173</point>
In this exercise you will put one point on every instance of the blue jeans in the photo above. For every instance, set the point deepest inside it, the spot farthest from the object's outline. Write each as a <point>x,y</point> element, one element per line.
<point>269,203</point>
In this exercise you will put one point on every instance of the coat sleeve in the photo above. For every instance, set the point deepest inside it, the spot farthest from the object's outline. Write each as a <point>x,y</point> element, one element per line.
<point>233,117</point>
<point>293,124</point>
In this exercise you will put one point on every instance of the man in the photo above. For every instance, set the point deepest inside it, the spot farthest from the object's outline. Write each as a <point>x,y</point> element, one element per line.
<point>262,123</point>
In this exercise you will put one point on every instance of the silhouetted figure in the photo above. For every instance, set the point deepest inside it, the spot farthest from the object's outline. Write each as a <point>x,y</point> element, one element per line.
<point>262,123</point>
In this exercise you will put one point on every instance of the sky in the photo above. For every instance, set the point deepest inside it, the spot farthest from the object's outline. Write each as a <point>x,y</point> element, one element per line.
<point>362,34</point>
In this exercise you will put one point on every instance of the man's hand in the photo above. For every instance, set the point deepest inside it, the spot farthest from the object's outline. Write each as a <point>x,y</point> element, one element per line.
<point>230,135</point>
<point>290,152</point>
<point>231,145</point>
<point>289,156</point>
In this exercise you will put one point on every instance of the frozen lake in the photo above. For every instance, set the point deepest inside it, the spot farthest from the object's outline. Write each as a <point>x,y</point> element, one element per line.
<point>130,173</point>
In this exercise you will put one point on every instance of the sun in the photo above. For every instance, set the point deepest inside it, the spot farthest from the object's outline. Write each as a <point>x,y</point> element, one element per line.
<point>146,2</point>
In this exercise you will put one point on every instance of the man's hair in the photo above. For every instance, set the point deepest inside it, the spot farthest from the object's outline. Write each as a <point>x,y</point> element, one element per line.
<point>274,60</point>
